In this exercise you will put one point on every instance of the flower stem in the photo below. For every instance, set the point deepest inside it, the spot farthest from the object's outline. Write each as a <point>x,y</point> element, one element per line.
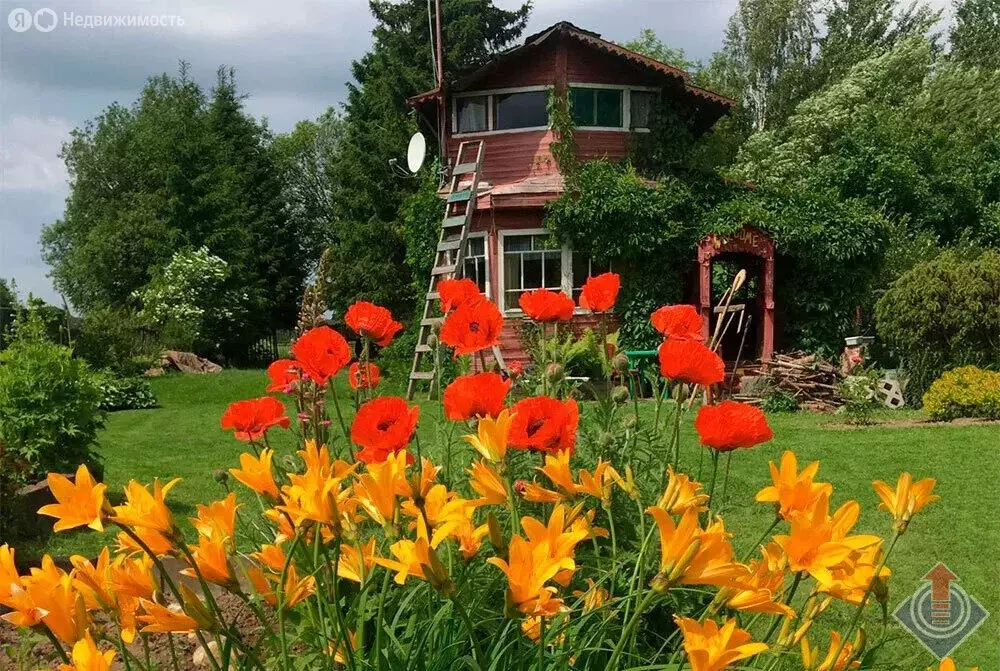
<point>476,651</point>
<point>629,630</point>
<point>541,643</point>
<point>280,596</point>
<point>788,600</point>
<point>57,645</point>
<point>381,614</point>
<point>711,488</point>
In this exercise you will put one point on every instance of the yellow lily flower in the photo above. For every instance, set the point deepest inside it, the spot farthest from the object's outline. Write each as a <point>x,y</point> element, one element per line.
<point>256,474</point>
<point>792,491</point>
<point>145,510</point>
<point>88,657</point>
<point>713,648</point>
<point>907,499</point>
<point>79,503</point>
<point>491,441</point>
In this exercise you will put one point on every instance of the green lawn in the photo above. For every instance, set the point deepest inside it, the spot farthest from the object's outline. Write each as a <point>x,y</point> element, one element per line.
<point>183,439</point>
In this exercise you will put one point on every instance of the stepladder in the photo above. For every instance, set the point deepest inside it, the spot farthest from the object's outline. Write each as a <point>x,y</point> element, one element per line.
<point>449,260</point>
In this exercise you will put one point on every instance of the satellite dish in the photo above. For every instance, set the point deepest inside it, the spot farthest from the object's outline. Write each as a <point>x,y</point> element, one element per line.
<point>416,152</point>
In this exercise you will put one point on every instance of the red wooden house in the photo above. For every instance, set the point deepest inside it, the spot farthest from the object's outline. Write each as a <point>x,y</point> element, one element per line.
<point>613,92</point>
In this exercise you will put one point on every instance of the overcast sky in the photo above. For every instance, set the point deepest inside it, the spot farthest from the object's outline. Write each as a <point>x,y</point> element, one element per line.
<point>292,57</point>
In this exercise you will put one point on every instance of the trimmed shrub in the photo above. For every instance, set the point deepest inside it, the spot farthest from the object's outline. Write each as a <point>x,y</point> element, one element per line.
<point>125,393</point>
<point>943,314</point>
<point>49,404</point>
<point>964,392</point>
<point>117,340</point>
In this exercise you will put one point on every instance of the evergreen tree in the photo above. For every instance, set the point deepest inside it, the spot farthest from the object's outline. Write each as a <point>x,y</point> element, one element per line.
<point>367,195</point>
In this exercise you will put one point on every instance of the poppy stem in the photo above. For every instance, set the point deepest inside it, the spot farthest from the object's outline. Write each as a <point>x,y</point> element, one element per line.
<point>340,418</point>
<point>725,480</point>
<point>711,487</point>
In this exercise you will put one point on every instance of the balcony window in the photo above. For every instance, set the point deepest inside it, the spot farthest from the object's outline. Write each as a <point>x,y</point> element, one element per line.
<point>471,113</point>
<point>527,109</point>
<point>641,106</point>
<point>598,108</point>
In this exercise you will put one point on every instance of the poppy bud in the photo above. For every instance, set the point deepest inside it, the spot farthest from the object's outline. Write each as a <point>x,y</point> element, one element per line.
<point>432,341</point>
<point>220,476</point>
<point>607,439</point>
<point>629,422</point>
<point>620,363</point>
<point>555,373</point>
<point>620,394</point>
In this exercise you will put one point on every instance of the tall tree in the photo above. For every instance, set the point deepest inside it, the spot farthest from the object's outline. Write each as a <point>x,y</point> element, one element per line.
<point>975,37</point>
<point>367,195</point>
<point>767,50</point>
<point>178,169</point>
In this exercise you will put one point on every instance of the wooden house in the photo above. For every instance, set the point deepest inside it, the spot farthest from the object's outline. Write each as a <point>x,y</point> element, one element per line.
<point>613,92</point>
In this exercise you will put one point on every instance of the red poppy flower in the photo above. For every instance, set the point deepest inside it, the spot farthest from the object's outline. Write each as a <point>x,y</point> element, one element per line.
<point>321,352</point>
<point>283,374</point>
<point>252,418</point>
<point>363,380</point>
<point>383,426</point>
<point>690,361</point>
<point>544,424</point>
<point>474,325</point>
<point>679,322</point>
<point>731,425</point>
<point>453,293</point>
<point>480,395</point>
<point>372,321</point>
<point>600,293</point>
<point>544,305</point>
<point>515,369</point>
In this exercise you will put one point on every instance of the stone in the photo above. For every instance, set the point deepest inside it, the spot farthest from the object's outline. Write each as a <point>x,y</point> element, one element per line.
<point>187,362</point>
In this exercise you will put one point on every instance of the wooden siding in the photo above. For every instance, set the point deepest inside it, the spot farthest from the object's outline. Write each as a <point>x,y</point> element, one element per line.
<point>533,68</point>
<point>587,65</point>
<point>511,157</point>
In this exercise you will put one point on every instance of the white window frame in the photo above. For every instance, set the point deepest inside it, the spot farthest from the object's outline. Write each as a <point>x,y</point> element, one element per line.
<point>490,121</point>
<point>566,261</point>
<point>486,257</point>
<point>626,106</point>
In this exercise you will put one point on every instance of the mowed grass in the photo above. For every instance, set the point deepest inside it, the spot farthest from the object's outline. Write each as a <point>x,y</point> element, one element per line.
<point>183,439</point>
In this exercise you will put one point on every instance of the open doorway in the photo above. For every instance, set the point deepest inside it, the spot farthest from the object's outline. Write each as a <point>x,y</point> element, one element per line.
<point>743,320</point>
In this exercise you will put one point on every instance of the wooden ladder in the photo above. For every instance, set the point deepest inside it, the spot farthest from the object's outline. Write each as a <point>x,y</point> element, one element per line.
<point>449,260</point>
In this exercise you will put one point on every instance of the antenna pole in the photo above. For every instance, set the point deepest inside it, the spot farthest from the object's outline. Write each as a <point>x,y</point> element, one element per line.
<point>440,47</point>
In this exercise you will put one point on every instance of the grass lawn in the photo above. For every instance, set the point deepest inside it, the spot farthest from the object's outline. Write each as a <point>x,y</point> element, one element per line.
<point>183,439</point>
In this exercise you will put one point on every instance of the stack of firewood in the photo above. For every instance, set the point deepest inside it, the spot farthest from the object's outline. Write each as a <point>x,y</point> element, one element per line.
<point>812,381</point>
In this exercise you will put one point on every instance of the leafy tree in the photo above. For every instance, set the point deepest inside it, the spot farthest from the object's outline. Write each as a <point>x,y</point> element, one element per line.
<point>975,37</point>
<point>177,169</point>
<point>367,195</point>
<point>8,310</point>
<point>649,44</point>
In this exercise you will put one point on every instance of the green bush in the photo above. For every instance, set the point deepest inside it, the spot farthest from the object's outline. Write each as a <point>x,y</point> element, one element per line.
<point>780,401</point>
<point>964,392</point>
<point>942,314</point>
<point>49,404</point>
<point>125,393</point>
<point>117,340</point>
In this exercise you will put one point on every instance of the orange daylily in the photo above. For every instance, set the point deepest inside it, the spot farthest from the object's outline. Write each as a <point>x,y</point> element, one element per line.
<point>761,589</point>
<point>594,598</point>
<point>78,504</point>
<point>817,542</point>
<point>94,581</point>
<point>211,560</point>
<point>488,484</point>
<point>294,591</point>
<point>8,572</point>
<point>469,536</point>
<point>217,520</point>
<point>313,496</point>
<point>852,577</point>
<point>948,664</point>
<point>714,648</point>
<point>907,499</point>
<point>831,662</point>
<point>375,489</point>
<point>682,494</point>
<point>557,539</point>
<point>356,561</point>
<point>690,555</point>
<point>49,591</point>
<point>339,652</point>
<point>157,543</point>
<point>162,620</point>
<point>491,441</point>
<point>147,510</point>
<point>88,657</point>
<point>256,473</point>
<point>793,491</point>
<point>527,570</point>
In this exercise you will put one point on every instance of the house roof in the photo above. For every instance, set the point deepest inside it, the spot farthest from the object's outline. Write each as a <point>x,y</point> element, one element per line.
<point>566,29</point>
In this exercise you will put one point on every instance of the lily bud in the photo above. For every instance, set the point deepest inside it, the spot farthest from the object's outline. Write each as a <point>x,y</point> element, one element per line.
<point>196,609</point>
<point>880,589</point>
<point>437,574</point>
<point>497,539</point>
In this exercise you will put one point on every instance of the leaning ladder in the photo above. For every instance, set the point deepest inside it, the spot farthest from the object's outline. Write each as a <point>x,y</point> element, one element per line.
<point>449,260</point>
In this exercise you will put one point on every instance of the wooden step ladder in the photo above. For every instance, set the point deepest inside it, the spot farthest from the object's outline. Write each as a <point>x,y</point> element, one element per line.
<point>449,260</point>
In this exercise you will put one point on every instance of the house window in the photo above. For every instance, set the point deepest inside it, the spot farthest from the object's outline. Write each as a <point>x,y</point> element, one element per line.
<point>601,108</point>
<point>530,263</point>
<point>585,267</point>
<point>520,110</point>
<point>476,265</point>
<point>641,106</point>
<point>471,113</point>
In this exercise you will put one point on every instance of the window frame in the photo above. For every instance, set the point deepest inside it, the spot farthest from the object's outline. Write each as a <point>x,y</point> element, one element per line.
<point>490,95</point>
<point>626,90</point>
<point>486,259</point>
